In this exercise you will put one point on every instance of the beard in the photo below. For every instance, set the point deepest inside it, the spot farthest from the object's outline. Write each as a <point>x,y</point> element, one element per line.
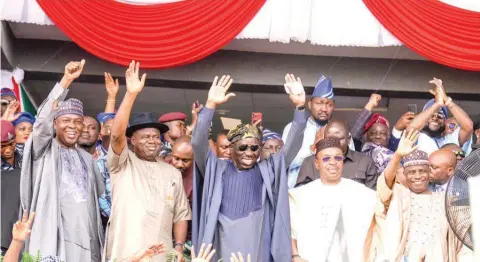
<point>86,144</point>
<point>431,133</point>
<point>321,122</point>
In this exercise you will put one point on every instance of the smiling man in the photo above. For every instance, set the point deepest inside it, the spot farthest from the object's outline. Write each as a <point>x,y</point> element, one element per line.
<point>410,218</point>
<point>241,205</point>
<point>432,122</point>
<point>60,181</point>
<point>149,203</point>
<point>322,208</point>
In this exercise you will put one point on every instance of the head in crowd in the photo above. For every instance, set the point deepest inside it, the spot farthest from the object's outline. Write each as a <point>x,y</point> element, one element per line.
<point>68,122</point>
<point>182,154</point>
<point>223,145</point>
<point>7,96</point>
<point>417,171</point>
<point>23,127</point>
<point>321,105</point>
<point>377,130</point>
<point>329,160</point>
<point>106,122</point>
<point>457,151</point>
<point>450,125</point>
<point>435,126</point>
<point>90,134</point>
<point>8,141</point>
<point>476,129</point>
<point>176,125</point>
<point>144,132</point>
<point>246,145</point>
<point>442,165</point>
<point>338,129</point>
<point>271,143</point>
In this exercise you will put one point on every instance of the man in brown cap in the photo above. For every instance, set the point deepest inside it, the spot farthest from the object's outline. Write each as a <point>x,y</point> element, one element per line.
<point>321,208</point>
<point>11,158</point>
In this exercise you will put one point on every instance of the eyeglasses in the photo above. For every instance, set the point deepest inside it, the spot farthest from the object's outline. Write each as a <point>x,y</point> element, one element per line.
<point>459,153</point>
<point>439,116</point>
<point>243,148</point>
<point>327,159</point>
<point>5,102</point>
<point>452,126</point>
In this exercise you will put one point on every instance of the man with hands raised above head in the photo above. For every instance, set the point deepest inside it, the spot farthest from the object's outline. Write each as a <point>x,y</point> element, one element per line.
<point>241,205</point>
<point>432,122</point>
<point>148,198</point>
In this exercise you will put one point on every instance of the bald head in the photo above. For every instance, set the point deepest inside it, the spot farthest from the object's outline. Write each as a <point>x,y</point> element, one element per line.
<point>182,154</point>
<point>338,129</point>
<point>442,164</point>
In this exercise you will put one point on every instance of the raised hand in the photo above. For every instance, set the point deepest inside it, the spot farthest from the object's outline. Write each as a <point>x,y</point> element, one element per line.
<point>73,70</point>
<point>111,85</point>
<point>404,121</point>
<point>439,92</point>
<point>147,254</point>
<point>218,91</point>
<point>204,255</point>
<point>294,88</point>
<point>407,142</point>
<point>10,113</point>
<point>134,83</point>
<point>234,258</point>
<point>196,107</point>
<point>21,229</point>
<point>373,102</point>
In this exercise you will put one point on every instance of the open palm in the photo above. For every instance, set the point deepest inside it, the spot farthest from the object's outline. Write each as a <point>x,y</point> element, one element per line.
<point>218,91</point>
<point>204,255</point>
<point>10,113</point>
<point>111,85</point>
<point>148,253</point>
<point>295,90</point>
<point>407,142</point>
<point>134,83</point>
<point>21,229</point>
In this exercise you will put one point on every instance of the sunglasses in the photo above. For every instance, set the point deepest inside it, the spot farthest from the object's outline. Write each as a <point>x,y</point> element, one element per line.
<point>452,126</point>
<point>439,116</point>
<point>459,153</point>
<point>327,159</point>
<point>243,148</point>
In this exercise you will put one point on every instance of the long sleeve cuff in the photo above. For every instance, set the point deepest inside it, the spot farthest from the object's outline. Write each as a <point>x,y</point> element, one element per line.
<point>206,113</point>
<point>397,133</point>
<point>56,92</point>
<point>300,116</point>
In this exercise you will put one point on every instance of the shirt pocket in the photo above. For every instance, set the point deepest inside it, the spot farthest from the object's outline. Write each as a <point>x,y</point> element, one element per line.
<point>360,174</point>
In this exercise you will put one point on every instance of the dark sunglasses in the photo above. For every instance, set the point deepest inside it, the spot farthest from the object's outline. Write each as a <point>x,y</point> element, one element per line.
<point>243,148</point>
<point>452,126</point>
<point>439,116</point>
<point>459,153</point>
<point>327,159</point>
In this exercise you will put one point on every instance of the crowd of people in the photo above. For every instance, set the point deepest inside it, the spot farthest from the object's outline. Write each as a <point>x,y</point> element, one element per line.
<point>131,187</point>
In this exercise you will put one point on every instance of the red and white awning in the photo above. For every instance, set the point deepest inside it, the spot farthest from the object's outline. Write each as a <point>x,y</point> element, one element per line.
<point>321,22</point>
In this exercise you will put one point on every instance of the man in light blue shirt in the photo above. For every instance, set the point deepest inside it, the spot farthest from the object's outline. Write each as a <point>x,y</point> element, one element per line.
<point>432,122</point>
<point>321,107</point>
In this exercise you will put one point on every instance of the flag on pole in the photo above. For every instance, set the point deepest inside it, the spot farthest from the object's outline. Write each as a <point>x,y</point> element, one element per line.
<point>13,80</point>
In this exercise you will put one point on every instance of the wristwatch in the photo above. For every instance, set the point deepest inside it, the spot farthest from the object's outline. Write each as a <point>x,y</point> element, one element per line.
<point>300,108</point>
<point>179,245</point>
<point>295,256</point>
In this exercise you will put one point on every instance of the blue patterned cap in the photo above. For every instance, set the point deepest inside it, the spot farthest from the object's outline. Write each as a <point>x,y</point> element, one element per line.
<point>269,134</point>
<point>24,117</point>
<point>443,109</point>
<point>71,106</point>
<point>323,88</point>
<point>5,91</point>
<point>104,117</point>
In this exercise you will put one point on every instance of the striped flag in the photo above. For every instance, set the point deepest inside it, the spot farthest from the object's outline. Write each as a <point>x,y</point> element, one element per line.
<point>13,80</point>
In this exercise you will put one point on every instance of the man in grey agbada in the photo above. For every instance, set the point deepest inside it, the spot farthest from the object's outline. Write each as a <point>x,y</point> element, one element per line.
<point>61,182</point>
